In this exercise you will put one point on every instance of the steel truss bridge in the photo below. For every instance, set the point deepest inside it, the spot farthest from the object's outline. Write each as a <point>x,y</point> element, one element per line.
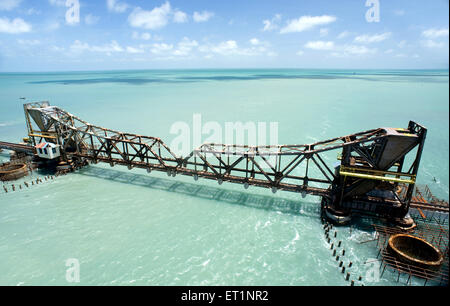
<point>373,164</point>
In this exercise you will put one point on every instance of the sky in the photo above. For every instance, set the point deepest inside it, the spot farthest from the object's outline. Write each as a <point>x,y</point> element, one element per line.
<point>80,35</point>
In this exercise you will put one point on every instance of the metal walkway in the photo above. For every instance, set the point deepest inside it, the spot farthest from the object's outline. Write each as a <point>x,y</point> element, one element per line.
<point>23,148</point>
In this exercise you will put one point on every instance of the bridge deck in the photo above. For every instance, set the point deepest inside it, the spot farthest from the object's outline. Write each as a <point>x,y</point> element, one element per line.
<point>296,168</point>
<point>17,147</point>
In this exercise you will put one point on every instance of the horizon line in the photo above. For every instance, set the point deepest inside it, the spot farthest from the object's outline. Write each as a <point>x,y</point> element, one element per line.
<point>227,68</point>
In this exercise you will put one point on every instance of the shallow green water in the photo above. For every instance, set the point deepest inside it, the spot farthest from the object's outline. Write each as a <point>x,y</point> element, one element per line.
<point>128,227</point>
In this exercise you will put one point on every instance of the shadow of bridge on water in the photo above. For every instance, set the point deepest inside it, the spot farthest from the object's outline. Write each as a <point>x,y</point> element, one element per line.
<point>199,190</point>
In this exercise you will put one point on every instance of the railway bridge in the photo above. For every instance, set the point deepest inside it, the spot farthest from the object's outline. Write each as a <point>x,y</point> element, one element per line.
<point>376,172</point>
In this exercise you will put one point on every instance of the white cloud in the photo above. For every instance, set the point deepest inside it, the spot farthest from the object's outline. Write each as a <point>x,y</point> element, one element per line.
<point>57,2</point>
<point>157,37</point>
<point>338,50</point>
<point>116,6</point>
<point>254,41</point>
<point>306,23</point>
<point>15,26</point>
<point>368,39</point>
<point>185,47</point>
<point>432,44</point>
<point>79,46</point>
<point>203,16</point>
<point>404,55</point>
<point>402,44</point>
<point>159,48</point>
<point>52,26</point>
<point>230,47</point>
<point>8,5</point>
<point>91,19</point>
<point>435,33</point>
<point>223,48</point>
<point>343,34</point>
<point>134,50</point>
<point>352,51</point>
<point>32,11</point>
<point>56,49</point>
<point>323,32</point>
<point>143,36</point>
<point>300,53</point>
<point>112,47</point>
<point>358,50</point>
<point>151,20</point>
<point>399,12</point>
<point>146,36</point>
<point>180,17</point>
<point>26,42</point>
<point>270,25</point>
<point>389,51</point>
<point>320,45</point>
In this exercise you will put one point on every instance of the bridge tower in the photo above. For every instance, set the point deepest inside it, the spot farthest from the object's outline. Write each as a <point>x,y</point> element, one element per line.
<point>378,177</point>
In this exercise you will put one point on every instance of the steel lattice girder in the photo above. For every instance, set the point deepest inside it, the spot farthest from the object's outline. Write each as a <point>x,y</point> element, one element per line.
<point>214,161</point>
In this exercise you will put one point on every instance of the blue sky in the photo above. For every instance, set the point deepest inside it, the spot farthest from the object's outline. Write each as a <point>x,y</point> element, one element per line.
<point>50,35</point>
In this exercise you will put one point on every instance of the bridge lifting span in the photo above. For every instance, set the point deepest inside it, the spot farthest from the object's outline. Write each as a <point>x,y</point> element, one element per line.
<point>373,174</point>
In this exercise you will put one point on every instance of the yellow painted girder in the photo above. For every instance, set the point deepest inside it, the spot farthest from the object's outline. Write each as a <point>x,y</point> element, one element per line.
<point>377,175</point>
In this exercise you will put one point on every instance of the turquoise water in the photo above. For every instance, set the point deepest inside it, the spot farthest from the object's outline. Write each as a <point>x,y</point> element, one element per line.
<point>128,227</point>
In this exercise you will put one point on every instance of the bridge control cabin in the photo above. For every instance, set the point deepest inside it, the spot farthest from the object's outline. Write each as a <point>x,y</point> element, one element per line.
<point>48,150</point>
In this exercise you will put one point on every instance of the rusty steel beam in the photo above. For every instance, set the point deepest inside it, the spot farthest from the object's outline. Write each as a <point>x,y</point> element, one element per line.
<point>17,147</point>
<point>241,164</point>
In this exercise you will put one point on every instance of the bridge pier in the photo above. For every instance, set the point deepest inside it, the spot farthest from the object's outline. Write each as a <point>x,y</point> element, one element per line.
<point>405,223</point>
<point>332,213</point>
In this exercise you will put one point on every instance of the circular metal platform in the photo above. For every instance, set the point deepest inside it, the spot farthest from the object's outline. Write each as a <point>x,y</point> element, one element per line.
<point>10,172</point>
<point>414,250</point>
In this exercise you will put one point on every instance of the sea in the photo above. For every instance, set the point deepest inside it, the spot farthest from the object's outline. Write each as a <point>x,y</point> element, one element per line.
<point>114,226</point>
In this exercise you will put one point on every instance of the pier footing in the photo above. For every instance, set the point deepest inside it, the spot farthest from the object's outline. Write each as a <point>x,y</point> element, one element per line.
<point>11,172</point>
<point>335,215</point>
<point>405,224</point>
